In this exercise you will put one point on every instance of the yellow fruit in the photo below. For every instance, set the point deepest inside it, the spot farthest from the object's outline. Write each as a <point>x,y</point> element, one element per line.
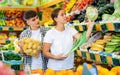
<point>30,45</point>
<point>97,45</point>
<point>100,42</point>
<point>110,73</point>
<point>34,46</point>
<point>80,67</point>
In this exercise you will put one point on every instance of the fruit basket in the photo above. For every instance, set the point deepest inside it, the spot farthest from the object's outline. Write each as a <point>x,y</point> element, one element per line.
<point>11,58</point>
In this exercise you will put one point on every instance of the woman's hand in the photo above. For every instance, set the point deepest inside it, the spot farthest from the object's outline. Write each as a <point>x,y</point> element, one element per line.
<point>61,56</point>
<point>90,27</point>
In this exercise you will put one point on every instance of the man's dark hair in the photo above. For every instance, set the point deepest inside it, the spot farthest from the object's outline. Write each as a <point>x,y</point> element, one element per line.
<point>29,14</point>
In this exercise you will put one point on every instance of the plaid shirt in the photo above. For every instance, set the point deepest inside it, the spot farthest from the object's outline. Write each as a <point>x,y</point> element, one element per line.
<point>28,59</point>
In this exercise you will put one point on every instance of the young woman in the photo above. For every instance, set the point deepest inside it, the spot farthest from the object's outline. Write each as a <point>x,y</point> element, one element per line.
<point>34,31</point>
<point>59,40</point>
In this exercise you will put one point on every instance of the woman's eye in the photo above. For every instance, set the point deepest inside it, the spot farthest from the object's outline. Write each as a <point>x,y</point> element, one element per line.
<point>33,20</point>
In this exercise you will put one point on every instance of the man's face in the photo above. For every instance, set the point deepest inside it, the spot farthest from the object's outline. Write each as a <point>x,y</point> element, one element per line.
<point>34,22</point>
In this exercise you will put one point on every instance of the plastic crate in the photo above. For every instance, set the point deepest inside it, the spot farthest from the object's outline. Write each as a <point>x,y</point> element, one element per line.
<point>11,61</point>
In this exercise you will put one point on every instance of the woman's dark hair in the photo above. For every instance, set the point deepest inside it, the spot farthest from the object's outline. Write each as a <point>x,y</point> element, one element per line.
<point>55,14</point>
<point>29,14</point>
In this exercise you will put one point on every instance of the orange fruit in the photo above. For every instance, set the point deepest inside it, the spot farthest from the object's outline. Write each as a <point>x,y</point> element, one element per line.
<point>40,71</point>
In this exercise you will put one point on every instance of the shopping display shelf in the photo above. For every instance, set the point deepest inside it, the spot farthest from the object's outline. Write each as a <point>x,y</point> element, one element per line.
<point>11,28</point>
<point>100,57</point>
<point>99,26</point>
<point>53,2</point>
<point>25,8</point>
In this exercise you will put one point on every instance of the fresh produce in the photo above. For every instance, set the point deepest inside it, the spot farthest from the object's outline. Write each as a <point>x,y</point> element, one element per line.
<point>31,47</point>
<point>11,56</point>
<point>116,14</point>
<point>7,47</point>
<point>82,39</point>
<point>91,13</point>
<point>113,45</point>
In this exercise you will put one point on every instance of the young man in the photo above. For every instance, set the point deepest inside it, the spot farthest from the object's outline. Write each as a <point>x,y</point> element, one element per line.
<point>34,31</point>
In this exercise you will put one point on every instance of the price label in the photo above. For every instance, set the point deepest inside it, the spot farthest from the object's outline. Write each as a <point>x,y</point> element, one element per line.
<point>115,61</point>
<point>7,41</point>
<point>40,15</point>
<point>84,27</point>
<point>1,28</point>
<point>77,28</point>
<point>24,28</point>
<point>15,67</point>
<point>117,27</point>
<point>11,29</point>
<point>92,56</point>
<point>94,28</point>
<point>83,54</point>
<point>104,59</point>
<point>104,28</point>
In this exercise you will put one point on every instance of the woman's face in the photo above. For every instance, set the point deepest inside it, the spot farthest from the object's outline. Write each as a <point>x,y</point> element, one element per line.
<point>61,18</point>
<point>34,22</point>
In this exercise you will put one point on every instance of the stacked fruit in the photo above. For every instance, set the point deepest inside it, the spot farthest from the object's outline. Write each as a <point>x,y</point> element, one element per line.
<point>98,45</point>
<point>14,18</point>
<point>31,47</point>
<point>13,13</point>
<point>113,45</point>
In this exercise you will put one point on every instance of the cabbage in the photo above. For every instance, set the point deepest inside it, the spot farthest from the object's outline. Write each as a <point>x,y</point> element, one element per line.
<point>117,4</point>
<point>91,13</point>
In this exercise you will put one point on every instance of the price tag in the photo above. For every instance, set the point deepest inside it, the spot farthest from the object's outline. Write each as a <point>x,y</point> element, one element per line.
<point>104,28</point>
<point>24,28</point>
<point>11,29</point>
<point>94,29</point>
<point>77,28</point>
<point>115,61</point>
<point>40,15</point>
<point>103,59</point>
<point>1,28</point>
<point>84,27</point>
<point>92,56</point>
<point>83,54</point>
<point>117,26</point>
<point>7,41</point>
<point>15,67</point>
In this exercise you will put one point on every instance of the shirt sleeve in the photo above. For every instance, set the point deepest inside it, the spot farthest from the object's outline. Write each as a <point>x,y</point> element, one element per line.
<point>73,31</point>
<point>48,38</point>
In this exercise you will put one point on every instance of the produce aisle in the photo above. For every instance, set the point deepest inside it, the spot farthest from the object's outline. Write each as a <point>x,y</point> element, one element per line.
<point>101,53</point>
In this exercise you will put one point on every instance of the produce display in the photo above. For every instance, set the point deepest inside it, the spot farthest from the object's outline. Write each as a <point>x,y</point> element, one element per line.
<point>115,15</point>
<point>108,44</point>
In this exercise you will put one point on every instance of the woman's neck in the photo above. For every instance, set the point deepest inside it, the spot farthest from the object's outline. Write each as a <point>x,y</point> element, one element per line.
<point>60,27</point>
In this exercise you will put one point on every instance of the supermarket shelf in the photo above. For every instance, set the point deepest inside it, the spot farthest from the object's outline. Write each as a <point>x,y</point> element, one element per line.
<point>100,57</point>
<point>104,27</point>
<point>50,4</point>
<point>17,8</point>
<point>11,29</point>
